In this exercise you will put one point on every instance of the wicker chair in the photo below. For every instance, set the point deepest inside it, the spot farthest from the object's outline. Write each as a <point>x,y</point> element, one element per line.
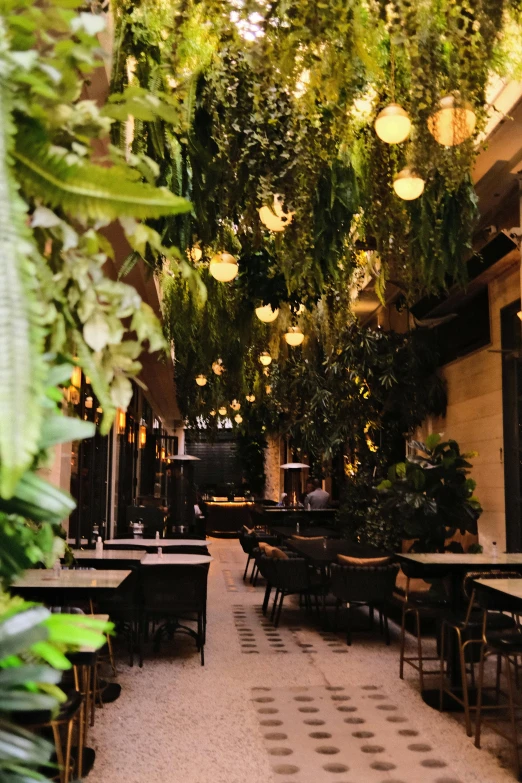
<point>363,585</point>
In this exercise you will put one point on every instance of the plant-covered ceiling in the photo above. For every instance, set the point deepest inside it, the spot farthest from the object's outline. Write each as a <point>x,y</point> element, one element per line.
<point>272,106</point>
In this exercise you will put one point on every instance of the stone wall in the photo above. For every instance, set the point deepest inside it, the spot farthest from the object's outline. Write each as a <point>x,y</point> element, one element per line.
<point>272,470</point>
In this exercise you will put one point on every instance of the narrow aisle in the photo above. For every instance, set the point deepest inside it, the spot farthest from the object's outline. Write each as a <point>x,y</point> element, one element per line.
<point>287,706</point>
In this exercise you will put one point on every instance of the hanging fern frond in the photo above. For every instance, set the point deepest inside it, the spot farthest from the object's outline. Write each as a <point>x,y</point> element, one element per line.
<point>85,190</point>
<point>21,362</point>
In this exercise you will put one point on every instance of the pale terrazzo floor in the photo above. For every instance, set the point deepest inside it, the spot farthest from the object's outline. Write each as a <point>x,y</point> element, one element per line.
<point>178,722</point>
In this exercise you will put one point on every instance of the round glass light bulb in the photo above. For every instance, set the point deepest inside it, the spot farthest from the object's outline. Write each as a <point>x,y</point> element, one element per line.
<point>453,122</point>
<point>218,367</point>
<point>251,398</point>
<point>222,411</point>
<point>268,389</point>
<point>266,314</point>
<point>392,124</point>
<point>201,380</point>
<point>294,336</point>
<point>235,405</point>
<point>408,185</point>
<point>265,359</point>
<point>195,254</point>
<point>212,413</point>
<point>223,267</point>
<point>238,418</point>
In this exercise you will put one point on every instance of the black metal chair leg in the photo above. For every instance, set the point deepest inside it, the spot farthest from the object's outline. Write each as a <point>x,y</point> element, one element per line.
<point>349,626</point>
<point>278,615</point>
<point>246,567</point>
<point>255,575</point>
<point>266,599</point>
<point>386,630</point>
<point>272,613</point>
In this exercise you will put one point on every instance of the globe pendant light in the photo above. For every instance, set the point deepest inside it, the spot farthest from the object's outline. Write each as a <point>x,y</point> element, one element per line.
<point>268,389</point>
<point>201,380</point>
<point>218,367</point>
<point>251,398</point>
<point>223,267</point>
<point>212,413</point>
<point>294,336</point>
<point>408,185</point>
<point>266,314</point>
<point>275,219</point>
<point>238,419</point>
<point>235,405</point>
<point>222,411</point>
<point>453,122</point>
<point>265,358</point>
<point>393,124</point>
<point>195,254</point>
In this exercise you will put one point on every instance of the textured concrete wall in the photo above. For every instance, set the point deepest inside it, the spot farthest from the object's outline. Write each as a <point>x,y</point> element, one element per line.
<point>272,470</point>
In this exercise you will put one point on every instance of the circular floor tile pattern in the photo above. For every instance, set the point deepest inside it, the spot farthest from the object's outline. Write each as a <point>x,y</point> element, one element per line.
<point>370,687</point>
<point>314,722</point>
<point>445,780</point>
<point>340,697</point>
<point>346,708</point>
<point>335,768</point>
<point>264,699</point>
<point>396,719</point>
<point>267,710</point>
<point>286,769</point>
<point>308,709</point>
<point>420,747</point>
<point>363,734</point>
<point>382,766</point>
<point>320,735</point>
<point>271,722</point>
<point>342,650</point>
<point>281,651</point>
<point>387,707</point>
<point>303,698</point>
<point>372,748</point>
<point>246,652</point>
<point>354,721</point>
<point>261,688</point>
<point>334,688</point>
<point>276,735</point>
<point>408,733</point>
<point>248,645</point>
<point>434,763</point>
<point>277,644</point>
<point>280,751</point>
<point>376,696</point>
<point>304,644</point>
<point>327,750</point>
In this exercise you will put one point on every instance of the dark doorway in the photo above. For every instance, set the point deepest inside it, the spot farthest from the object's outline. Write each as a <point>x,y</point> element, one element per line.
<point>511,340</point>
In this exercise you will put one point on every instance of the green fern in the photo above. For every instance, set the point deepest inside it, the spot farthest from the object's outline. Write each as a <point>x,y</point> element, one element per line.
<point>21,363</point>
<point>83,189</point>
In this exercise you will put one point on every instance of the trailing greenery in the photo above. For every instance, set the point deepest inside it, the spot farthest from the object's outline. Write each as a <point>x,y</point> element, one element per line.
<point>430,496</point>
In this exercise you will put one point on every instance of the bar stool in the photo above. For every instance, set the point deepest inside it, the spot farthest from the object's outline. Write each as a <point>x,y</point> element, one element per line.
<point>422,605</point>
<point>507,647</point>
<point>468,631</point>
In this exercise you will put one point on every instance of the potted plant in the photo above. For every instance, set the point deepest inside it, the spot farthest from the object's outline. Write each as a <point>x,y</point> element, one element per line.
<point>430,495</point>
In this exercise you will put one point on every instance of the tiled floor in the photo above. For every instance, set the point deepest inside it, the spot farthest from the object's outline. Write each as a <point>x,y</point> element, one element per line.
<point>338,714</point>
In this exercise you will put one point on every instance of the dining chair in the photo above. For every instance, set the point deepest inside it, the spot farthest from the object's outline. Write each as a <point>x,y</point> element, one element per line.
<point>363,585</point>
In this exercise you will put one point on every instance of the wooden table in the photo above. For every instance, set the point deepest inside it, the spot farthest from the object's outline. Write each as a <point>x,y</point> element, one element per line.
<point>175,559</point>
<point>154,543</point>
<point>44,585</point>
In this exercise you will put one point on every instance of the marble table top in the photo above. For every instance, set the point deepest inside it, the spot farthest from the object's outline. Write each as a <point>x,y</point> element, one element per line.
<point>511,587</point>
<point>459,559</point>
<point>45,578</point>
<point>175,559</point>
<point>108,554</point>
<point>164,542</point>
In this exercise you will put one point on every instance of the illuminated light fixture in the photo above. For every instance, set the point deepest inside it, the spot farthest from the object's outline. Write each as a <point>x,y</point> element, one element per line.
<point>268,389</point>
<point>212,413</point>
<point>223,267</point>
<point>162,453</point>
<point>88,402</point>
<point>122,421</point>
<point>76,377</point>
<point>453,122</point>
<point>195,254</point>
<point>235,405</point>
<point>99,410</point>
<point>143,436</point>
<point>275,219</point>
<point>294,336</point>
<point>519,315</point>
<point>265,358</point>
<point>222,411</point>
<point>408,185</point>
<point>238,418</point>
<point>218,367</point>
<point>266,314</point>
<point>392,124</point>
<point>251,398</point>
<point>87,380</point>
<point>201,380</point>
<point>73,395</point>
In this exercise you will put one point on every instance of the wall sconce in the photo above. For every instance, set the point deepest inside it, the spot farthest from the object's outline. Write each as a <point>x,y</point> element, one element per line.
<point>143,435</point>
<point>122,421</point>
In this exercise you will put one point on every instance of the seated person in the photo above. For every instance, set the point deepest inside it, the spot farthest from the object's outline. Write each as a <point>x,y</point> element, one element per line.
<point>318,498</point>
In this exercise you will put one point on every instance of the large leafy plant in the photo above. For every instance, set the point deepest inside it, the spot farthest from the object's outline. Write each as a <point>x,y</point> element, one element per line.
<point>430,495</point>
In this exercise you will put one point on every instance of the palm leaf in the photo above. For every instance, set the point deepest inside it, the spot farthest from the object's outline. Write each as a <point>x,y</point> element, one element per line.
<point>83,189</point>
